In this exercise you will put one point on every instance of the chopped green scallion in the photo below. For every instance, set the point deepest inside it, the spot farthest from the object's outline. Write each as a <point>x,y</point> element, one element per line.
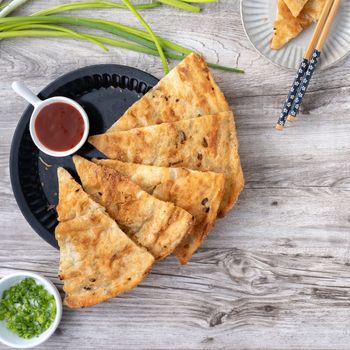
<point>27,308</point>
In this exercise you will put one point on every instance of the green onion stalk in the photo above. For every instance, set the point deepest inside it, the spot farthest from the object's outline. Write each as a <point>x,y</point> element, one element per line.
<point>62,34</point>
<point>127,32</point>
<point>181,5</point>
<point>186,4</point>
<point>138,40</point>
<point>150,32</point>
<point>88,5</point>
<point>13,5</point>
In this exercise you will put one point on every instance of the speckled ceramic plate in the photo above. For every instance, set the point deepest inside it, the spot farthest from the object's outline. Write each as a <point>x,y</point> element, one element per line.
<point>258,17</point>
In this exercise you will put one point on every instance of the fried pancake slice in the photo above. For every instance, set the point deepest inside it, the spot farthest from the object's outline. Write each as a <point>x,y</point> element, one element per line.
<point>188,90</point>
<point>287,27</point>
<point>154,224</point>
<point>98,260</point>
<point>295,6</point>
<point>197,192</point>
<point>205,143</point>
<point>313,9</point>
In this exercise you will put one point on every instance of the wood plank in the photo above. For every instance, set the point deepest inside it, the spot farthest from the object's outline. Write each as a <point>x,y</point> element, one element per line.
<point>274,273</point>
<point>232,296</point>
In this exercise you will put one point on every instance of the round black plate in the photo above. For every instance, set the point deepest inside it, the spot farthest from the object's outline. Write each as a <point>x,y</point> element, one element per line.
<point>105,92</point>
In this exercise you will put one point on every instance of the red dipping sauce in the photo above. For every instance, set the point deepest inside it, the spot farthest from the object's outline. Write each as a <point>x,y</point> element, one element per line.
<point>59,126</point>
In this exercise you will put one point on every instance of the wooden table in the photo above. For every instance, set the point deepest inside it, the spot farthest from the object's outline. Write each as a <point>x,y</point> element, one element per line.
<point>275,273</point>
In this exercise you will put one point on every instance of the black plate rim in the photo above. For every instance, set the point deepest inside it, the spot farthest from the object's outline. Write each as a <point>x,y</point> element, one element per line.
<point>22,124</point>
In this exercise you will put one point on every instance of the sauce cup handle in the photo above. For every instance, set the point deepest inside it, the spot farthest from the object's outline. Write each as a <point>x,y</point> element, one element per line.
<point>27,94</point>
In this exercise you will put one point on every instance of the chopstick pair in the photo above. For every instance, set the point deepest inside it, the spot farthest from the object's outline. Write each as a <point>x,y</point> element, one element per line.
<point>307,67</point>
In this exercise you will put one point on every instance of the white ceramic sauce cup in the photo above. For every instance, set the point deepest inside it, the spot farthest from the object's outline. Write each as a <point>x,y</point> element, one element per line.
<point>11,339</point>
<point>22,90</point>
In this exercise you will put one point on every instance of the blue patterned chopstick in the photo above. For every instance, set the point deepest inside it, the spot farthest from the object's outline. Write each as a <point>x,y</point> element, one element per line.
<point>293,92</point>
<point>294,110</point>
<point>307,67</point>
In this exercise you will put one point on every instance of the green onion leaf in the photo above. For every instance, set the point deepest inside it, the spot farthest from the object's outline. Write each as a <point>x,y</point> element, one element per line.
<point>181,5</point>
<point>150,31</point>
<point>27,308</point>
<point>87,5</point>
<point>12,6</point>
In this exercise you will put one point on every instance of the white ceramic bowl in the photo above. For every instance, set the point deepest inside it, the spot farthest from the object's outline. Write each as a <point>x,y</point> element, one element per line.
<point>38,105</point>
<point>9,338</point>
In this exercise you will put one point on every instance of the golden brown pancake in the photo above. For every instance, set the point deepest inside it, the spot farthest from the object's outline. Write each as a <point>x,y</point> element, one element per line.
<point>295,6</point>
<point>207,143</point>
<point>97,260</point>
<point>189,90</point>
<point>152,223</point>
<point>287,27</point>
<point>197,192</point>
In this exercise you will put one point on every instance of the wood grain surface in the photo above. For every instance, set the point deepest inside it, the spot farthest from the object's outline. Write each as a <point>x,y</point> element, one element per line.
<point>273,274</point>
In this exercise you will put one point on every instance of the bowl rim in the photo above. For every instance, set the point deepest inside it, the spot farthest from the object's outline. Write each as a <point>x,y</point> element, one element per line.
<point>47,102</point>
<point>52,289</point>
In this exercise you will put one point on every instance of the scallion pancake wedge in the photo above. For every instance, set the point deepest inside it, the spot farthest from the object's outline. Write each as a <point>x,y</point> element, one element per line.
<point>97,260</point>
<point>157,225</point>
<point>207,143</point>
<point>200,193</point>
<point>188,90</point>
